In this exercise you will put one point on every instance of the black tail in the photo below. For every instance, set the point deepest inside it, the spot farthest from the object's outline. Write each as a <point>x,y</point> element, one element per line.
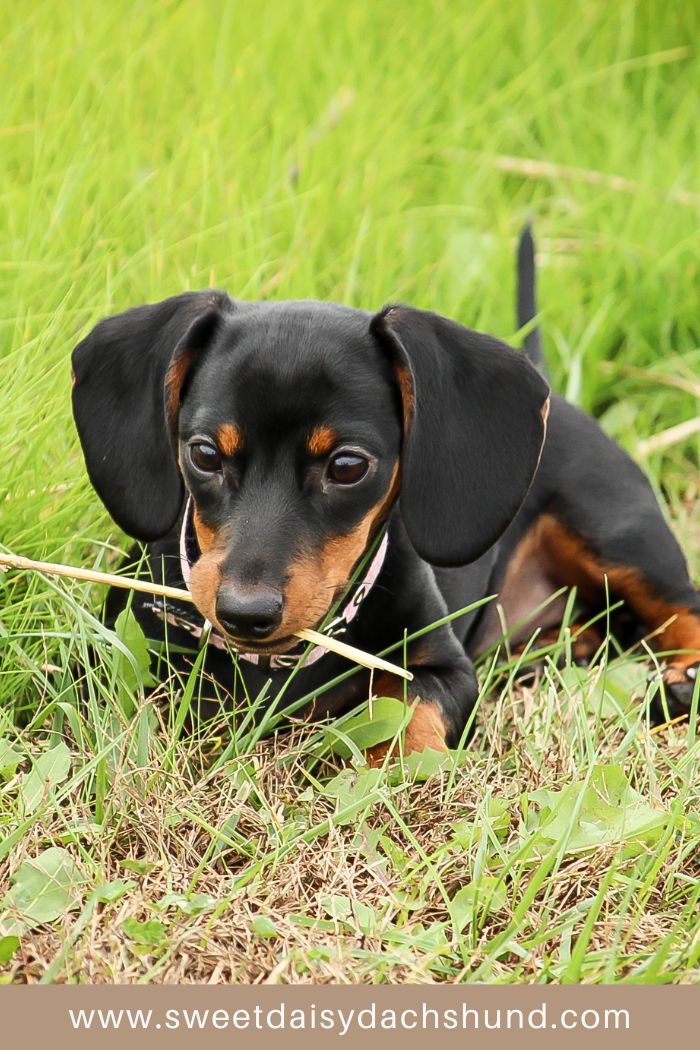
<point>527,298</point>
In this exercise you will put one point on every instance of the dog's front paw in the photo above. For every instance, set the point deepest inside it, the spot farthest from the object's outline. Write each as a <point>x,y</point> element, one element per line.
<point>674,695</point>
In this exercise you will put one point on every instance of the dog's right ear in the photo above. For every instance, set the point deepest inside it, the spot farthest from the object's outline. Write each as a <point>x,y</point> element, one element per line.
<point>475,415</point>
<point>128,376</point>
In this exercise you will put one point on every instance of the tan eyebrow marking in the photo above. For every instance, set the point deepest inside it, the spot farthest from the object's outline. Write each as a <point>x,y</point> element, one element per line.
<point>174,380</point>
<point>229,438</point>
<point>321,441</point>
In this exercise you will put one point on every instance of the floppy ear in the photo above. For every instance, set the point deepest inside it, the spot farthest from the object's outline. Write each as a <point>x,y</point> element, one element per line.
<point>474,425</point>
<point>128,375</point>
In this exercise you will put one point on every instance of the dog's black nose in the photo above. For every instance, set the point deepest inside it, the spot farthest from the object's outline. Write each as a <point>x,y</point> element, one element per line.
<point>254,614</point>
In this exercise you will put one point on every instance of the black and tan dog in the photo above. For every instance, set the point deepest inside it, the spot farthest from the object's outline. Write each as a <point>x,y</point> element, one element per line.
<point>263,449</point>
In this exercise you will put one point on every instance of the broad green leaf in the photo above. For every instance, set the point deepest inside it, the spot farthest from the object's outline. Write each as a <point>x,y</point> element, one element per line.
<point>367,841</point>
<point>351,786</point>
<point>49,770</point>
<point>466,833</point>
<point>8,947</point>
<point>606,811</point>
<point>197,904</point>
<point>151,932</point>
<point>397,857</point>
<point>365,918</point>
<point>419,938</point>
<point>136,675</point>
<point>338,907</point>
<point>10,758</point>
<point>108,892</point>
<point>498,810</point>
<point>358,917</point>
<point>77,831</point>
<point>487,895</point>
<point>263,926</point>
<point>140,867</point>
<point>321,952</point>
<point>377,722</point>
<point>422,765</point>
<point>47,886</point>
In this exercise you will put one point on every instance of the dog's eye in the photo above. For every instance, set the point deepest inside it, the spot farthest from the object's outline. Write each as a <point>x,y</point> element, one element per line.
<point>204,457</point>
<point>347,468</point>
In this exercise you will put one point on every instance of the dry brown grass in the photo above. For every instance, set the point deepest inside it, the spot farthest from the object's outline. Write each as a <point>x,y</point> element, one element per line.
<point>168,821</point>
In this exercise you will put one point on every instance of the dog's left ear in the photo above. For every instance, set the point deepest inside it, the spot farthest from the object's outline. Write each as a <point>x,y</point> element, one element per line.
<point>128,378</point>
<point>474,425</point>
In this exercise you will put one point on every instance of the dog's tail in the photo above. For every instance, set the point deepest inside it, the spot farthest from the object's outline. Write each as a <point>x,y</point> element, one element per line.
<point>527,298</point>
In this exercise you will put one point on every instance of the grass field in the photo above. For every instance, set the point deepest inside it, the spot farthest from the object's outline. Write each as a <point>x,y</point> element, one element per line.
<point>360,152</point>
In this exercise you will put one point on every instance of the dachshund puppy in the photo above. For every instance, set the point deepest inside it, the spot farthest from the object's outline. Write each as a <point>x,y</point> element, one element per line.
<point>291,461</point>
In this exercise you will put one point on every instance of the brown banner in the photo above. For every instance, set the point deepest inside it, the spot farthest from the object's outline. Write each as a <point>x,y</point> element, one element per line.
<point>308,1017</point>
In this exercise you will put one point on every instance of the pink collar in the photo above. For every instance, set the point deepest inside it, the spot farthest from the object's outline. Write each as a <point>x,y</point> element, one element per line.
<point>337,626</point>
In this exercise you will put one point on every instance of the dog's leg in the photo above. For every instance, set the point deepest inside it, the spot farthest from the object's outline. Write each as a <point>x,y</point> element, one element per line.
<point>445,700</point>
<point>592,522</point>
<point>653,581</point>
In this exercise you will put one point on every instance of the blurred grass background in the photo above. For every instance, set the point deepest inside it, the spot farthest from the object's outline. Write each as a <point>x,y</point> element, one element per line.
<point>360,153</point>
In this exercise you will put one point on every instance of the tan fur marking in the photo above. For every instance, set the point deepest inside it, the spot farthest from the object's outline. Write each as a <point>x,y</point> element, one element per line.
<point>206,574</point>
<point>229,438</point>
<point>321,441</point>
<point>680,627</point>
<point>316,579</point>
<point>676,673</point>
<point>174,379</point>
<point>205,581</point>
<point>206,536</point>
<point>314,582</point>
<point>408,396</point>
<point>205,578</point>
<point>426,728</point>
<point>557,557</point>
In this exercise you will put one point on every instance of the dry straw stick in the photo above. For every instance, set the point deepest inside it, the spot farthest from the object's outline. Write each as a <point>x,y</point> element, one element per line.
<point>14,561</point>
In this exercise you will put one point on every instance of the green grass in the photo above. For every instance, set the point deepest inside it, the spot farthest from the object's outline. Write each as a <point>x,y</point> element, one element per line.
<point>363,153</point>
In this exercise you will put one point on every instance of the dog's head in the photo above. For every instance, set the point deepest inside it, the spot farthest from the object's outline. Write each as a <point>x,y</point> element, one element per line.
<point>294,426</point>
